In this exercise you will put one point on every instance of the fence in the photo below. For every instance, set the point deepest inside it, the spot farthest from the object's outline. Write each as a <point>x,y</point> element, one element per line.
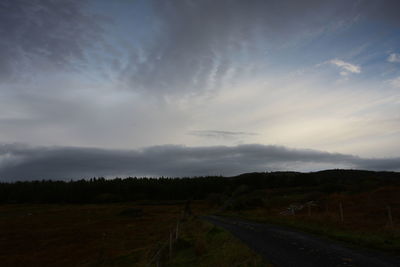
<point>167,244</point>
<point>384,212</point>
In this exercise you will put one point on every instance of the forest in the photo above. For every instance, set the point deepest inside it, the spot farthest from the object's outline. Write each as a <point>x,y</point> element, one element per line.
<point>101,190</point>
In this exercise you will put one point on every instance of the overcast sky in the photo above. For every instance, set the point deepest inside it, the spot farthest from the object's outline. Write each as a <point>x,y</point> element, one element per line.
<point>182,87</point>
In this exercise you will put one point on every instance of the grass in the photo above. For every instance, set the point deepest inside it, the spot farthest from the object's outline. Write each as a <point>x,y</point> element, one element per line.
<point>83,235</point>
<point>385,240</point>
<point>126,234</point>
<point>365,216</point>
<point>203,244</point>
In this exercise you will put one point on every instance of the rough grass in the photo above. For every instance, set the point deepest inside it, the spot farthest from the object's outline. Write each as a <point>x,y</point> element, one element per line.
<point>83,235</point>
<point>203,244</point>
<point>113,235</point>
<point>365,216</point>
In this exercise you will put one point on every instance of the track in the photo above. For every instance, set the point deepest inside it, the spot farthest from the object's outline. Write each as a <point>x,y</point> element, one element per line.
<point>282,246</point>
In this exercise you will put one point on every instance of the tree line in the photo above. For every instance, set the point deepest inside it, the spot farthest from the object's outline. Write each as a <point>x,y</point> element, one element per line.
<point>101,190</point>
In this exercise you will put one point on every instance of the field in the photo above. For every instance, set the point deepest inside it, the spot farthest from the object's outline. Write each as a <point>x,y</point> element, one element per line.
<point>112,235</point>
<point>370,218</point>
<point>360,207</point>
<point>82,235</point>
<point>202,244</point>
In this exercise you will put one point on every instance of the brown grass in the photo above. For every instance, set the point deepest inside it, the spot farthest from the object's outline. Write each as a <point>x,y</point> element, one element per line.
<point>365,216</point>
<point>201,244</point>
<point>362,212</point>
<point>82,235</point>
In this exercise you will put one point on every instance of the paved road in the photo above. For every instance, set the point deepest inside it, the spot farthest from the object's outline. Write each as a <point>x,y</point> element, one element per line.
<point>286,247</point>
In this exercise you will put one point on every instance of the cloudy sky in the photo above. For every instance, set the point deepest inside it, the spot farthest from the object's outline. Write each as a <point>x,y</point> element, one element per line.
<point>182,87</point>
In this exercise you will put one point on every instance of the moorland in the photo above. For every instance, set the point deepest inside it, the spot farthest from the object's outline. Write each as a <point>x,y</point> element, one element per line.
<point>125,222</point>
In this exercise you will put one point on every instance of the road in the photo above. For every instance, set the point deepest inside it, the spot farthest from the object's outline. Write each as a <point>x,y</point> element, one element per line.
<point>286,247</point>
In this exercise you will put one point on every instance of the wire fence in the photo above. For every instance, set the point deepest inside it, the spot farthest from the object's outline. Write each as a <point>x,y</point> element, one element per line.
<point>166,246</point>
<point>386,215</point>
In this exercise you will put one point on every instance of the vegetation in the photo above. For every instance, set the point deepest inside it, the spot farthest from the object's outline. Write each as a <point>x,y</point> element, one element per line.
<point>203,244</point>
<point>84,235</point>
<point>114,235</point>
<point>41,227</point>
<point>100,190</point>
<point>369,218</point>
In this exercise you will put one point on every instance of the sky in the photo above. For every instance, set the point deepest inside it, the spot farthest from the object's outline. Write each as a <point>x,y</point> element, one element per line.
<point>188,88</point>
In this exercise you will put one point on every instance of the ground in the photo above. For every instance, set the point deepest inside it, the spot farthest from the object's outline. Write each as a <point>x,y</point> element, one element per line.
<point>127,234</point>
<point>82,235</point>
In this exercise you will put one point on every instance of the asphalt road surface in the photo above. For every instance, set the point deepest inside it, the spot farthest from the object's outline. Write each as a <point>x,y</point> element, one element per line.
<point>283,247</point>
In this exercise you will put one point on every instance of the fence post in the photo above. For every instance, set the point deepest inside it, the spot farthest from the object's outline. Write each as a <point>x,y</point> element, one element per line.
<point>170,244</point>
<point>177,230</point>
<point>389,211</point>
<point>158,261</point>
<point>341,211</point>
<point>309,209</point>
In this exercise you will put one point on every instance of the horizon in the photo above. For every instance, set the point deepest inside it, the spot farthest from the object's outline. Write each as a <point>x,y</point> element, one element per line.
<point>89,179</point>
<point>184,88</point>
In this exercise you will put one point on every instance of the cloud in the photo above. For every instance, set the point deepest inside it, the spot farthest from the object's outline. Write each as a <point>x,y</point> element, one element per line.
<point>395,82</point>
<point>199,46</point>
<point>44,34</point>
<point>394,58</point>
<point>220,134</point>
<point>346,68</point>
<point>19,162</point>
<point>384,10</point>
<point>195,46</point>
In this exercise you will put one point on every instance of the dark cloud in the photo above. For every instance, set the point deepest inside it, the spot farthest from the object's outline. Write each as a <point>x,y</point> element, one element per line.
<point>46,33</point>
<point>19,162</point>
<point>220,134</point>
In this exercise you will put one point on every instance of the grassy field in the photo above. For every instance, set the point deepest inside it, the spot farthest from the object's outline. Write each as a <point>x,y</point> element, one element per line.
<point>129,234</point>
<point>365,219</point>
<point>114,235</point>
<point>202,244</point>
<point>83,235</point>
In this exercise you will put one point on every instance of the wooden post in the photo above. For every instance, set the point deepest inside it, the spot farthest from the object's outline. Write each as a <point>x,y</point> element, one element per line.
<point>170,244</point>
<point>292,210</point>
<point>177,230</point>
<point>102,248</point>
<point>389,211</point>
<point>309,209</point>
<point>341,211</point>
<point>158,261</point>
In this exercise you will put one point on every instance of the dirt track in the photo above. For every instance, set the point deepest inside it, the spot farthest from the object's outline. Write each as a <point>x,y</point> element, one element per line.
<point>286,247</point>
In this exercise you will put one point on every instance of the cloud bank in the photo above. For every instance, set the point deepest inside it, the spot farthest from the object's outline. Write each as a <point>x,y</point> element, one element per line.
<point>19,162</point>
<point>228,64</point>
